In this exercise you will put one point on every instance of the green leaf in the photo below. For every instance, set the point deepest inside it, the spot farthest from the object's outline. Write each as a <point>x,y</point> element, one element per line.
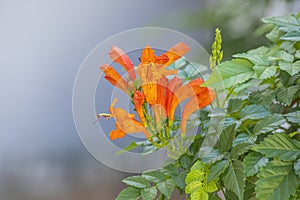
<point>179,180</point>
<point>185,161</point>
<point>154,176</point>
<point>149,193</point>
<point>264,71</point>
<point>214,197</point>
<point>240,149</point>
<point>131,146</point>
<point>195,175</point>
<point>193,187</point>
<point>244,138</point>
<point>170,170</point>
<point>249,191</point>
<point>268,124</point>
<point>235,105</point>
<point>280,146</point>
<point>277,181</point>
<point>212,157</point>
<point>262,98</point>
<point>254,112</point>
<point>253,162</point>
<point>226,138</point>
<point>166,188</point>
<point>129,193</point>
<point>200,195</point>
<point>284,23</point>
<point>293,117</point>
<point>292,35</point>
<point>136,181</point>
<point>256,59</point>
<point>291,68</point>
<point>231,73</point>
<point>297,167</point>
<point>234,178</point>
<point>286,95</point>
<point>217,169</point>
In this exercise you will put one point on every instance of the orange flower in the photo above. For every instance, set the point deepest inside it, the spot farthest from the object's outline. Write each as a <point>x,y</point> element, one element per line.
<point>114,77</point>
<point>125,123</point>
<point>181,93</point>
<point>204,97</point>
<point>118,55</point>
<point>138,101</point>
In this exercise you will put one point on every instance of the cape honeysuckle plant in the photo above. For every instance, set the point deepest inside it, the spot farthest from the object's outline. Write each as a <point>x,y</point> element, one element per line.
<point>257,153</point>
<point>155,97</point>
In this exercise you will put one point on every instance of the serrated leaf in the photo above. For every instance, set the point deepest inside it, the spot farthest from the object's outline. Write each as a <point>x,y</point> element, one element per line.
<point>234,178</point>
<point>268,124</point>
<point>240,149</point>
<point>293,117</point>
<point>129,193</point>
<point>244,138</point>
<point>297,167</point>
<point>262,98</point>
<point>277,181</point>
<point>185,161</point>
<point>194,175</point>
<point>256,59</point>
<point>235,105</point>
<point>226,138</point>
<point>154,176</point>
<point>231,73</point>
<point>179,180</point>
<point>254,112</point>
<point>217,169</point>
<point>253,162</point>
<point>200,195</point>
<point>291,68</point>
<point>284,23</point>
<point>166,188</point>
<point>264,71</point>
<point>170,170</point>
<point>149,193</point>
<point>286,95</point>
<point>136,181</point>
<point>212,157</point>
<point>280,146</point>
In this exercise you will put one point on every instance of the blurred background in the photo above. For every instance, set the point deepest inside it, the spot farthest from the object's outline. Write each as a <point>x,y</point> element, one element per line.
<point>42,44</point>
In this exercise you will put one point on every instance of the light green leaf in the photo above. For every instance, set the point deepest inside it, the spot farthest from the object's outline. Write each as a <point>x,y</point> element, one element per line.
<point>256,59</point>
<point>231,73</point>
<point>279,145</point>
<point>136,181</point>
<point>166,188</point>
<point>149,193</point>
<point>200,195</point>
<point>226,138</point>
<point>234,178</point>
<point>293,117</point>
<point>154,176</point>
<point>285,23</point>
<point>129,193</point>
<point>194,175</point>
<point>277,181</point>
<point>210,187</point>
<point>217,169</point>
<point>264,71</point>
<point>291,68</point>
<point>193,187</point>
<point>286,95</point>
<point>292,35</point>
<point>268,124</point>
<point>253,162</point>
<point>254,112</point>
<point>297,167</point>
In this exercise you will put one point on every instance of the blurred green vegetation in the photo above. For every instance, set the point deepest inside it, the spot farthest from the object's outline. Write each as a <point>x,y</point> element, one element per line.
<point>238,21</point>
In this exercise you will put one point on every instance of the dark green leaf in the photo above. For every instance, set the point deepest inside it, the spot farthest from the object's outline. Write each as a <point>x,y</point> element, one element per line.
<point>212,157</point>
<point>286,95</point>
<point>217,169</point>
<point>234,178</point>
<point>254,112</point>
<point>262,98</point>
<point>253,162</point>
<point>297,167</point>
<point>129,193</point>
<point>185,161</point>
<point>240,149</point>
<point>179,180</point>
<point>226,138</point>
<point>235,105</point>
<point>268,124</point>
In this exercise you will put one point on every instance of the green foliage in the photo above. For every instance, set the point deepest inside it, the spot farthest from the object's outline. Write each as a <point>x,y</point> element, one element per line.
<point>256,155</point>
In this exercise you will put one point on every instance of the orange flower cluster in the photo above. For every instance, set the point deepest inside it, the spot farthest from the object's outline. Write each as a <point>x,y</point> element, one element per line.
<point>157,97</point>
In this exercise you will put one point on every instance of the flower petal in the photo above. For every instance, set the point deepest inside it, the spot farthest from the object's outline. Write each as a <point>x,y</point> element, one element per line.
<point>118,55</point>
<point>176,52</point>
<point>139,99</point>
